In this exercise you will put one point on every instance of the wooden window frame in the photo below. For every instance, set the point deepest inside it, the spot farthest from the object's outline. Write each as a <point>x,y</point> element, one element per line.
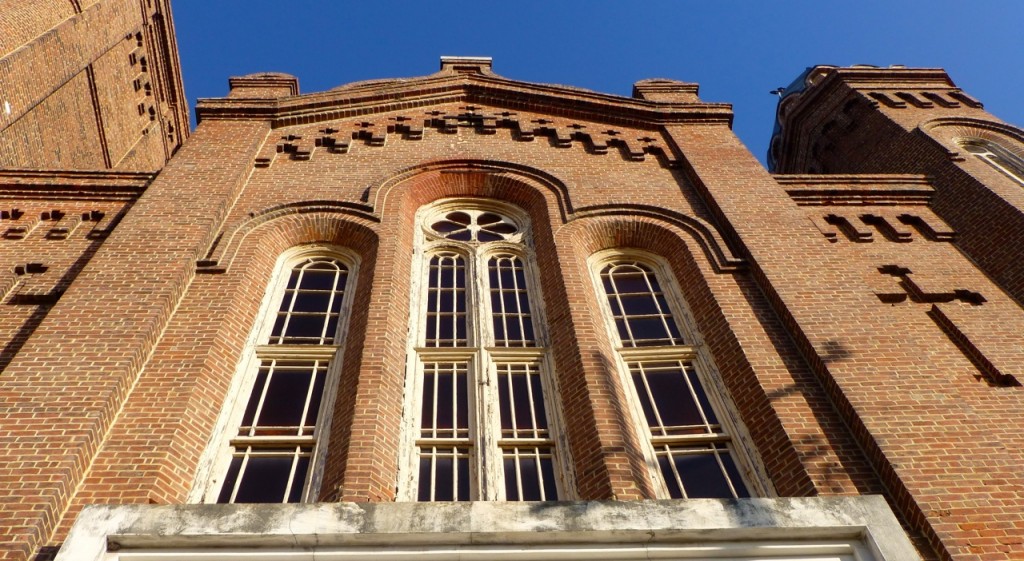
<point>693,354</point>
<point>258,351</point>
<point>483,355</point>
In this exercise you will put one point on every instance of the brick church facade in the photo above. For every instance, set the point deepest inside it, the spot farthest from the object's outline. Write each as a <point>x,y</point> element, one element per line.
<point>464,315</point>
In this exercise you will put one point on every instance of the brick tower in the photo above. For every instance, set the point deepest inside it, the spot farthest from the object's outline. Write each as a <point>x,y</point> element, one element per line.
<point>461,315</point>
<point>89,85</point>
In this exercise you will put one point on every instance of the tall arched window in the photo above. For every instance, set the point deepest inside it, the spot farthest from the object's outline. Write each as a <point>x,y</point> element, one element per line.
<point>688,443</point>
<point>479,390</point>
<point>270,447</point>
<point>1005,161</point>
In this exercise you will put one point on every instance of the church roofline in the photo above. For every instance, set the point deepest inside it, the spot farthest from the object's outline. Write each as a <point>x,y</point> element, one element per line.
<point>461,79</point>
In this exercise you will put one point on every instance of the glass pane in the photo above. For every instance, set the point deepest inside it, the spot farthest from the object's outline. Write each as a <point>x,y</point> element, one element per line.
<point>299,480</point>
<point>444,479</point>
<point>256,396</point>
<point>702,477</point>
<point>312,301</point>
<point>285,400</point>
<point>320,280</point>
<point>669,477</point>
<point>488,218</point>
<point>264,479</point>
<point>230,479</point>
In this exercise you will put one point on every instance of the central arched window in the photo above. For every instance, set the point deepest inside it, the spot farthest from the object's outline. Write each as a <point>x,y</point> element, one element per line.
<point>688,444</point>
<point>480,391</point>
<point>270,446</point>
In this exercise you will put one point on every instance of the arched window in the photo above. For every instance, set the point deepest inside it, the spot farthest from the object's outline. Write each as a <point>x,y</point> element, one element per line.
<point>479,391</point>
<point>1005,161</point>
<point>270,448</point>
<point>688,443</point>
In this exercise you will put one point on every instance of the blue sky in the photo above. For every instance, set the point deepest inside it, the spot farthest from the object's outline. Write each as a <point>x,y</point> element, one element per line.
<point>737,51</point>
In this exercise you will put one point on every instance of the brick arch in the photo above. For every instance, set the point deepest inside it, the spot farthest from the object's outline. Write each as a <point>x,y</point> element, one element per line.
<point>245,283</point>
<point>222,252</point>
<point>694,272</point>
<point>946,130</point>
<point>490,178</point>
<point>369,472</point>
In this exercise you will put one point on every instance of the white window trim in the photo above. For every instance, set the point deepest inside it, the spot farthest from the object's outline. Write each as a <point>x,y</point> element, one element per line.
<point>997,156</point>
<point>481,354</point>
<point>214,462</point>
<point>744,452</point>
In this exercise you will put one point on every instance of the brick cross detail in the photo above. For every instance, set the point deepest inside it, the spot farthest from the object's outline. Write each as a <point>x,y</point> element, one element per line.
<point>964,328</point>
<point>916,294</point>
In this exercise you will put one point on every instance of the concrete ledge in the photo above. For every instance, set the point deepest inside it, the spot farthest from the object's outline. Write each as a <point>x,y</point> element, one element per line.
<point>865,522</point>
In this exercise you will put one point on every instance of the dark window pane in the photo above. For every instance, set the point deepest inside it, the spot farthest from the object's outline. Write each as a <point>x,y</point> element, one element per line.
<point>278,326</point>
<point>499,329</point>
<point>507,277</point>
<point>485,236</point>
<point>286,397</point>
<point>463,236</point>
<point>522,402</point>
<point>318,280</point>
<point>459,217</point>
<point>528,329</point>
<point>547,469</point>
<point>229,480</point>
<point>444,401</point>
<point>446,328</point>
<point>538,403</point>
<point>264,479</point>
<point>665,465</point>
<point>314,404</point>
<point>502,228</point>
<point>504,403</point>
<point>511,301</point>
<point>511,486</point>
<point>530,478</point>
<point>734,476</point>
<point>312,301</point>
<point>702,477</point>
<point>425,483</point>
<point>620,324</point>
<point>462,401</point>
<point>446,301</point>
<point>673,398</point>
<point>332,329</point>
<point>702,398</point>
<point>427,412</point>
<point>645,400</point>
<point>299,481</point>
<point>463,464</point>
<point>305,326</point>
<point>445,226</point>
<point>443,484</point>
<point>487,218</point>
<point>254,397</point>
<point>648,329</point>
<point>627,283</point>
<point>514,333</point>
<point>639,304</point>
<point>431,334</point>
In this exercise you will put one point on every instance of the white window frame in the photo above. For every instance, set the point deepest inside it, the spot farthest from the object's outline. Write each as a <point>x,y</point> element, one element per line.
<point>1003,160</point>
<point>481,354</point>
<point>695,354</point>
<point>216,459</point>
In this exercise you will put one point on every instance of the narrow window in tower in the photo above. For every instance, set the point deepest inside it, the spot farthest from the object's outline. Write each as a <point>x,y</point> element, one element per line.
<point>687,443</point>
<point>1000,158</point>
<point>271,453</point>
<point>479,379</point>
